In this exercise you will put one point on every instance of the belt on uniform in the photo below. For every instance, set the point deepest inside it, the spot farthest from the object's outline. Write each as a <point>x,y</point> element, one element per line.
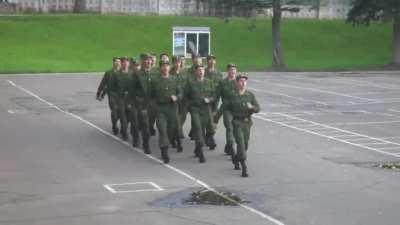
<point>244,119</point>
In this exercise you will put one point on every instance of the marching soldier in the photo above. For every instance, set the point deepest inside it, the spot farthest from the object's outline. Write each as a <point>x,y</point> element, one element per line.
<point>142,92</point>
<point>119,84</point>
<point>181,78</point>
<point>201,94</point>
<point>131,107</point>
<point>104,88</point>
<point>226,90</point>
<point>242,105</point>
<point>166,92</point>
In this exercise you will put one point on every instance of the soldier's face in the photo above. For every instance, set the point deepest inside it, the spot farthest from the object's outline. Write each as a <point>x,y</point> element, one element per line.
<point>165,70</point>
<point>177,64</point>
<point>211,62</point>
<point>117,64</point>
<point>232,72</point>
<point>136,67</point>
<point>153,61</point>
<point>200,73</point>
<point>242,84</point>
<point>147,63</point>
<point>125,64</point>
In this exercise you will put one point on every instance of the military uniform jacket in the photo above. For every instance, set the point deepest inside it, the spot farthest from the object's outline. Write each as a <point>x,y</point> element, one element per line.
<point>197,90</point>
<point>227,90</point>
<point>143,85</point>
<point>102,90</point>
<point>119,82</point>
<point>238,105</point>
<point>163,88</point>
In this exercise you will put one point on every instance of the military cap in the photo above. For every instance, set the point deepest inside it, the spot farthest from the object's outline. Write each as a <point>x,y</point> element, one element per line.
<point>115,59</point>
<point>198,66</point>
<point>164,63</point>
<point>195,55</point>
<point>134,61</point>
<point>211,57</point>
<point>124,58</point>
<point>145,56</point>
<point>241,76</point>
<point>176,58</point>
<point>164,53</point>
<point>230,65</point>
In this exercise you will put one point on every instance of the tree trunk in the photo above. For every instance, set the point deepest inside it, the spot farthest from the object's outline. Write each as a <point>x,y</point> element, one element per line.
<point>79,6</point>
<point>277,53</point>
<point>396,41</point>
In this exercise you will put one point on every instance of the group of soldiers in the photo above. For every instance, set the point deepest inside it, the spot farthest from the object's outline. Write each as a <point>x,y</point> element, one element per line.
<point>142,95</point>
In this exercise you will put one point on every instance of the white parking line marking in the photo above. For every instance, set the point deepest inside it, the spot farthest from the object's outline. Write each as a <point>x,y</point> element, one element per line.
<point>194,179</point>
<point>325,127</point>
<point>10,111</point>
<point>364,123</point>
<point>153,187</point>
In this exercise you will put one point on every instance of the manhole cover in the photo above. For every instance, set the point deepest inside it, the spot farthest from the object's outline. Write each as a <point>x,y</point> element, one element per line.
<point>207,197</point>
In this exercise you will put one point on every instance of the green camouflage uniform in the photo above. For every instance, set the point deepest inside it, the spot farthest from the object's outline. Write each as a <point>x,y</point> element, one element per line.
<point>200,111</point>
<point>242,123</point>
<point>216,77</point>
<point>131,108</point>
<point>183,104</point>
<point>168,122</point>
<point>103,89</point>
<point>144,104</point>
<point>226,91</point>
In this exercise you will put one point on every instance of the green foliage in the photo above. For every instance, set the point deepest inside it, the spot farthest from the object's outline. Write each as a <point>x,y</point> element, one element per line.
<point>71,43</point>
<point>365,11</point>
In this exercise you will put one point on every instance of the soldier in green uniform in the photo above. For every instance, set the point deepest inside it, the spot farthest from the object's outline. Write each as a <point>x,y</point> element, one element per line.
<point>181,77</point>
<point>142,92</point>
<point>121,81</point>
<point>201,94</point>
<point>166,92</point>
<point>242,105</point>
<point>104,89</point>
<point>191,75</point>
<point>131,107</point>
<point>215,76</point>
<point>225,91</point>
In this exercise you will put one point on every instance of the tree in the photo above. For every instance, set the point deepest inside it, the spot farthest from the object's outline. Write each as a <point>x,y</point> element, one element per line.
<point>79,6</point>
<point>363,12</point>
<point>278,7</point>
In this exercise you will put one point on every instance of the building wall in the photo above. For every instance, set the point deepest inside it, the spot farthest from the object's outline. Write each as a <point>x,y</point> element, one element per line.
<point>329,8</point>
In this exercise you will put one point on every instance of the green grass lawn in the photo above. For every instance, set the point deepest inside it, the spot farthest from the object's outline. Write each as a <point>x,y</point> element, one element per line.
<point>72,43</point>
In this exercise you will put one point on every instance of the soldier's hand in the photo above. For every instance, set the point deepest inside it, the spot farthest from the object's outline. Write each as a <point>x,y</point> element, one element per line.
<point>249,105</point>
<point>174,98</point>
<point>206,100</point>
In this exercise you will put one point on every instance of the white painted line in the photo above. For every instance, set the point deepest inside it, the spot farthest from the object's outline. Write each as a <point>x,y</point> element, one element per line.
<point>345,135</point>
<point>389,148</point>
<point>10,111</point>
<point>114,191</point>
<point>364,123</point>
<point>324,91</point>
<point>181,172</point>
<point>330,137</point>
<point>396,137</point>
<point>288,96</point>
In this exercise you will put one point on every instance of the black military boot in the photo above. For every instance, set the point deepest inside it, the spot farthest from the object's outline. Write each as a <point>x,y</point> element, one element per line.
<point>235,162</point>
<point>115,129</point>
<point>211,143</point>
<point>152,131</point>
<point>164,154</point>
<point>244,168</point>
<point>228,149</point>
<point>179,145</point>
<point>146,146</point>
<point>124,135</point>
<point>173,143</point>
<point>135,142</point>
<point>200,154</point>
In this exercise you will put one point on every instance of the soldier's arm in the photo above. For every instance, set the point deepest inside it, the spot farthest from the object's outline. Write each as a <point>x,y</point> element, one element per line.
<point>101,88</point>
<point>256,106</point>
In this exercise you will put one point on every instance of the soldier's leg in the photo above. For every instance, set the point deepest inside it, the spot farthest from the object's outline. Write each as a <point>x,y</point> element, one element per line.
<point>175,128</point>
<point>152,118</point>
<point>163,140</point>
<point>209,130</point>
<point>144,129</point>
<point>227,117</point>
<point>237,155</point>
<point>198,134</point>
<point>112,104</point>
<point>133,119</point>
<point>123,119</point>
<point>183,111</point>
